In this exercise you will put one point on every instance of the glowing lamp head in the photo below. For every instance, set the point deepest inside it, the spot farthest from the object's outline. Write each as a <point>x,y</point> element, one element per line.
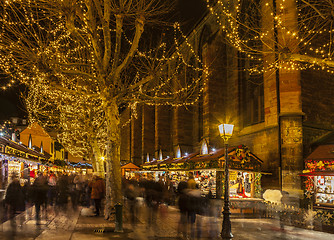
<point>226,131</point>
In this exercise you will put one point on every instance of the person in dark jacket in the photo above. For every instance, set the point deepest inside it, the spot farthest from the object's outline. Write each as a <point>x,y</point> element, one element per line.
<point>98,192</point>
<point>153,198</point>
<point>39,194</point>
<point>15,199</point>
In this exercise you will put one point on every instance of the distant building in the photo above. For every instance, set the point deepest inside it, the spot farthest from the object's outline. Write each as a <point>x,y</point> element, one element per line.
<point>35,137</point>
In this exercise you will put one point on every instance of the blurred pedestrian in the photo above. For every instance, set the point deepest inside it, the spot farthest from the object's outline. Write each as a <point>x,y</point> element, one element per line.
<point>62,189</point>
<point>131,194</point>
<point>98,192</point>
<point>79,186</point>
<point>52,182</point>
<point>87,190</point>
<point>39,194</point>
<point>195,205</point>
<point>214,213</point>
<point>15,199</point>
<point>182,204</point>
<point>153,198</point>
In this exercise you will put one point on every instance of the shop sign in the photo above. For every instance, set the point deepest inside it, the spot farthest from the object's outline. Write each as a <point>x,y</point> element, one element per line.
<point>15,152</point>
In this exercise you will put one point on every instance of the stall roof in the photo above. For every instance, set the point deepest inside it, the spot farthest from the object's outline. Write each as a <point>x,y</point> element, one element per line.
<point>317,173</point>
<point>130,166</point>
<point>153,162</point>
<point>170,160</point>
<point>240,156</point>
<point>185,158</point>
<point>166,161</point>
<point>212,156</point>
<point>322,152</point>
<point>220,154</point>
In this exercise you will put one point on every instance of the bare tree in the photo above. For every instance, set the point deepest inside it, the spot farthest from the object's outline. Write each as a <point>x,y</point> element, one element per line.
<point>81,55</point>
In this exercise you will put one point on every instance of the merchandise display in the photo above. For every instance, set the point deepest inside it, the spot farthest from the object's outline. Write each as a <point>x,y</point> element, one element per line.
<point>324,189</point>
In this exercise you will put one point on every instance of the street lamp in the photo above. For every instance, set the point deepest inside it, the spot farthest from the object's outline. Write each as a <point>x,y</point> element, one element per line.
<point>226,131</point>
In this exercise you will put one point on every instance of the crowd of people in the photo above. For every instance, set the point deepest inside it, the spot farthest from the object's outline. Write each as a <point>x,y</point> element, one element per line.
<point>61,190</point>
<point>156,196</point>
<point>58,190</point>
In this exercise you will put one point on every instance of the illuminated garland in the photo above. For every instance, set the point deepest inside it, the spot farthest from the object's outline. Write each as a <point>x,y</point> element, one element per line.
<point>313,37</point>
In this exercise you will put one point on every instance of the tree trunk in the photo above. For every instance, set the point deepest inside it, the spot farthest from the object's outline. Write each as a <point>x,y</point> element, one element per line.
<point>99,162</point>
<point>113,176</point>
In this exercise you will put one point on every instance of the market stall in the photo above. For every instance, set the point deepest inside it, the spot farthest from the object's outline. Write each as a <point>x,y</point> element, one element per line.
<point>319,171</point>
<point>319,184</point>
<point>128,170</point>
<point>17,160</point>
<point>245,176</point>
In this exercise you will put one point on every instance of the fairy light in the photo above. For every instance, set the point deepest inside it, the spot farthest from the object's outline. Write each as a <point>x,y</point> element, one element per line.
<point>313,37</point>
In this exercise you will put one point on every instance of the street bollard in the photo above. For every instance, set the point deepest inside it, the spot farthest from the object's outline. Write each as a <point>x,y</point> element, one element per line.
<point>119,222</point>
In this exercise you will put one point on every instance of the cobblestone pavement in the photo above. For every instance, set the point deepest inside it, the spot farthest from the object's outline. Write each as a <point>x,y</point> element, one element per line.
<point>52,223</point>
<point>70,225</point>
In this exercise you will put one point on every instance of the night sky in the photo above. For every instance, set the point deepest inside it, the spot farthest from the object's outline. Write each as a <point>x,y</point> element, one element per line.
<point>189,13</point>
<point>11,104</point>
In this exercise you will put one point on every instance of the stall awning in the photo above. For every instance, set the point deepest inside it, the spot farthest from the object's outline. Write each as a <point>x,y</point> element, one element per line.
<point>317,173</point>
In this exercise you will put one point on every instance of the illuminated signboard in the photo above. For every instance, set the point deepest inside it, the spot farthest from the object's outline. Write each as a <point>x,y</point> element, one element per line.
<point>15,152</point>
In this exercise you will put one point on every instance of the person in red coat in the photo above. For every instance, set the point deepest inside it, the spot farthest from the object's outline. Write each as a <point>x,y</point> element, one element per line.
<point>98,192</point>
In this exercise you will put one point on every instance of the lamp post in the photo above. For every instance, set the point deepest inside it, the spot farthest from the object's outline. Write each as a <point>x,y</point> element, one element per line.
<point>226,131</point>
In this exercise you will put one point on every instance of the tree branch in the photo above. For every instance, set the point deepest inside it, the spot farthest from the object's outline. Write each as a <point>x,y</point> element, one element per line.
<point>107,34</point>
<point>119,25</point>
<point>307,59</point>
<point>133,49</point>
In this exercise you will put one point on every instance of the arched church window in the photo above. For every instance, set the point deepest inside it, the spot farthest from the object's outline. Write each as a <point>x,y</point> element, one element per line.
<point>204,148</point>
<point>178,152</point>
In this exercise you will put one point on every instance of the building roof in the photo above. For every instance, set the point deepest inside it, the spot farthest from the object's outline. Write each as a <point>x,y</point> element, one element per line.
<point>322,152</point>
